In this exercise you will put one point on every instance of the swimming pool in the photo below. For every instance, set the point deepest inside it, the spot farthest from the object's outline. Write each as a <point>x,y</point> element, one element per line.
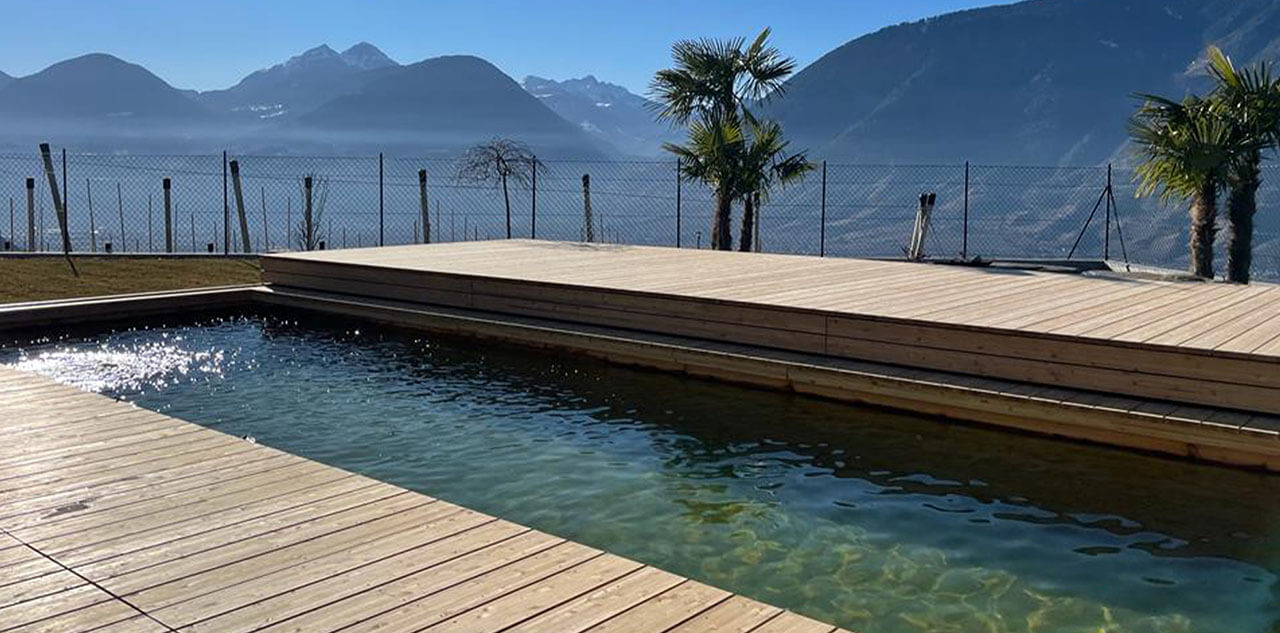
<point>876,521</point>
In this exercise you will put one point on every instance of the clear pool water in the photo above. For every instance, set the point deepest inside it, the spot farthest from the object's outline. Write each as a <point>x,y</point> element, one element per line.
<point>879,522</point>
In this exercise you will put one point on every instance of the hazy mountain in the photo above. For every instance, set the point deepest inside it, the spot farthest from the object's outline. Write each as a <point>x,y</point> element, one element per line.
<point>5,79</point>
<point>443,103</point>
<point>1043,81</point>
<point>606,111</point>
<point>95,97</point>
<point>299,84</point>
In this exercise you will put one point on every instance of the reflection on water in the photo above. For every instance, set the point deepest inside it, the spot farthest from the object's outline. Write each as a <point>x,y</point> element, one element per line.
<point>879,522</point>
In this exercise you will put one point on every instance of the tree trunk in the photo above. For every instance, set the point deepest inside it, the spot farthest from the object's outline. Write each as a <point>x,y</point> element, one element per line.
<point>507,199</point>
<point>722,223</point>
<point>748,224</point>
<point>1204,215</point>
<point>1242,204</point>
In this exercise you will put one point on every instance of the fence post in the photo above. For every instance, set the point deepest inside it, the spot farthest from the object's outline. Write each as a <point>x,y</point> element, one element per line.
<point>1106,237</point>
<point>589,232</point>
<point>424,207</point>
<point>239,193</point>
<point>533,212</point>
<point>306,213</point>
<point>226,209</point>
<point>678,187</point>
<point>124,244</point>
<point>381,208</point>
<point>964,243</point>
<point>168,215</point>
<point>31,215</point>
<point>266,238</point>
<point>59,201</point>
<point>93,227</point>
<point>66,199</point>
<point>822,221</point>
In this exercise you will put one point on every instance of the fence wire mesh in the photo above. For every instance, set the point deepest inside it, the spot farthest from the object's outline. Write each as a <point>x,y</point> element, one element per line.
<point>117,202</point>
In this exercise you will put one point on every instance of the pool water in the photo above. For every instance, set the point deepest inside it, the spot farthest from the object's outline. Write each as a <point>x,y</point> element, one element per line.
<point>879,522</point>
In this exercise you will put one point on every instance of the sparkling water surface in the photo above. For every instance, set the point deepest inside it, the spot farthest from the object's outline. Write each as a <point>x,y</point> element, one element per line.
<point>879,522</point>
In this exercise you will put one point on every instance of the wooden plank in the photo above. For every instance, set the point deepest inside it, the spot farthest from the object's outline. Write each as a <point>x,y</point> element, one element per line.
<point>665,611</point>
<point>597,606</point>
<point>349,599</point>
<point>529,601</point>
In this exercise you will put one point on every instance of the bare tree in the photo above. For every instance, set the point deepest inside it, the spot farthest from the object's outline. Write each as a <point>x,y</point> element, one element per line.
<point>497,162</point>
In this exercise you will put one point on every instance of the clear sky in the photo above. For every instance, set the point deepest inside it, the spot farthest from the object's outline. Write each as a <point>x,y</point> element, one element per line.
<point>207,44</point>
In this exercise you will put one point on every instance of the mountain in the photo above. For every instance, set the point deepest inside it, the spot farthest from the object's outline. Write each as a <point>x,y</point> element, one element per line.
<point>299,84</point>
<point>93,98</point>
<point>442,104</point>
<point>5,79</point>
<point>606,111</point>
<point>1042,81</point>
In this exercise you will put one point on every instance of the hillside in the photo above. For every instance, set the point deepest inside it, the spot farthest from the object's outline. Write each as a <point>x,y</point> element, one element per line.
<point>5,79</point>
<point>443,103</point>
<point>1043,81</point>
<point>97,100</point>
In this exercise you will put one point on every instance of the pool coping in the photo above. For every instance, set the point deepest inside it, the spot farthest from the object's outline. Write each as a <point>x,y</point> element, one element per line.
<point>1220,436</point>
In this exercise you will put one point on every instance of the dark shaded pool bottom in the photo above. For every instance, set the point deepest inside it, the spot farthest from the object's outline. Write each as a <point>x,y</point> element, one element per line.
<point>876,521</point>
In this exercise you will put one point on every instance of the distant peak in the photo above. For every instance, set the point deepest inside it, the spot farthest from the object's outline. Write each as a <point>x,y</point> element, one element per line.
<point>366,56</point>
<point>322,50</point>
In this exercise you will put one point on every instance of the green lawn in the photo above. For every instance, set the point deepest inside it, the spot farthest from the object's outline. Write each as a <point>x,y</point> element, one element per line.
<point>36,279</point>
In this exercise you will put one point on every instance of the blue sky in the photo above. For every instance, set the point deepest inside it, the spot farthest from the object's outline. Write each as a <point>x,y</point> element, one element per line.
<point>206,44</point>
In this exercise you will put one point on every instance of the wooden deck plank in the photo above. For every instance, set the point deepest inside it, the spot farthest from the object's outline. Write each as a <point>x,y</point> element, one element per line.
<point>203,532</point>
<point>597,606</point>
<point>1122,324</point>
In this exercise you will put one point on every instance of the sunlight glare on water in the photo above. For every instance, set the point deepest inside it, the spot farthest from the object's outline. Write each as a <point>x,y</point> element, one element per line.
<point>876,521</point>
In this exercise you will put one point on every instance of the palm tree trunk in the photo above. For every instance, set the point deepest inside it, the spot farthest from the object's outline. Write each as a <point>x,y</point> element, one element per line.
<point>1204,215</point>
<point>507,199</point>
<point>722,223</point>
<point>1242,204</point>
<point>748,224</point>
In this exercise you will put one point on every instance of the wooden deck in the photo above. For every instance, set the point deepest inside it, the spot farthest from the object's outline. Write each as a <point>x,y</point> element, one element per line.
<point>115,519</point>
<point>1215,345</point>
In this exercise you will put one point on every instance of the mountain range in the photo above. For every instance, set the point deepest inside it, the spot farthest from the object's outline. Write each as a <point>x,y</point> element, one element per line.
<point>1042,81</point>
<point>1036,82</point>
<point>607,111</point>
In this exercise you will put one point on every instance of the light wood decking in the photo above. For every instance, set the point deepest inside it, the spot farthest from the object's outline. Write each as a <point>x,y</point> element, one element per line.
<point>1208,344</point>
<point>115,519</point>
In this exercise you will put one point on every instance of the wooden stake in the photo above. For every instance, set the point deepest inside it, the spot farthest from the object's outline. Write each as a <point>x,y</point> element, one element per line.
<point>244,220</point>
<point>424,207</point>
<point>31,215</point>
<point>59,205</point>
<point>168,215</point>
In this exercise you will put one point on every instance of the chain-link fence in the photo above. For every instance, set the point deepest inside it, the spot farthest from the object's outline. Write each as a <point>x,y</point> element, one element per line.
<point>118,203</point>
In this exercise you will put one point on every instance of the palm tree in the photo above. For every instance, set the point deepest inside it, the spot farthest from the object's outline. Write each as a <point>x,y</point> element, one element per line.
<point>1250,99</point>
<point>1187,148</point>
<point>765,165</point>
<point>710,89</point>
<point>711,155</point>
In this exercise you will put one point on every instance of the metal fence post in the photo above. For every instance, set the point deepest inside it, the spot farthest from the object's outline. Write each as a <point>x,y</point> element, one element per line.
<point>533,213</point>
<point>964,243</point>
<point>381,207</point>
<point>1106,236</point>
<point>226,210</point>
<point>822,222</point>
<point>678,186</point>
